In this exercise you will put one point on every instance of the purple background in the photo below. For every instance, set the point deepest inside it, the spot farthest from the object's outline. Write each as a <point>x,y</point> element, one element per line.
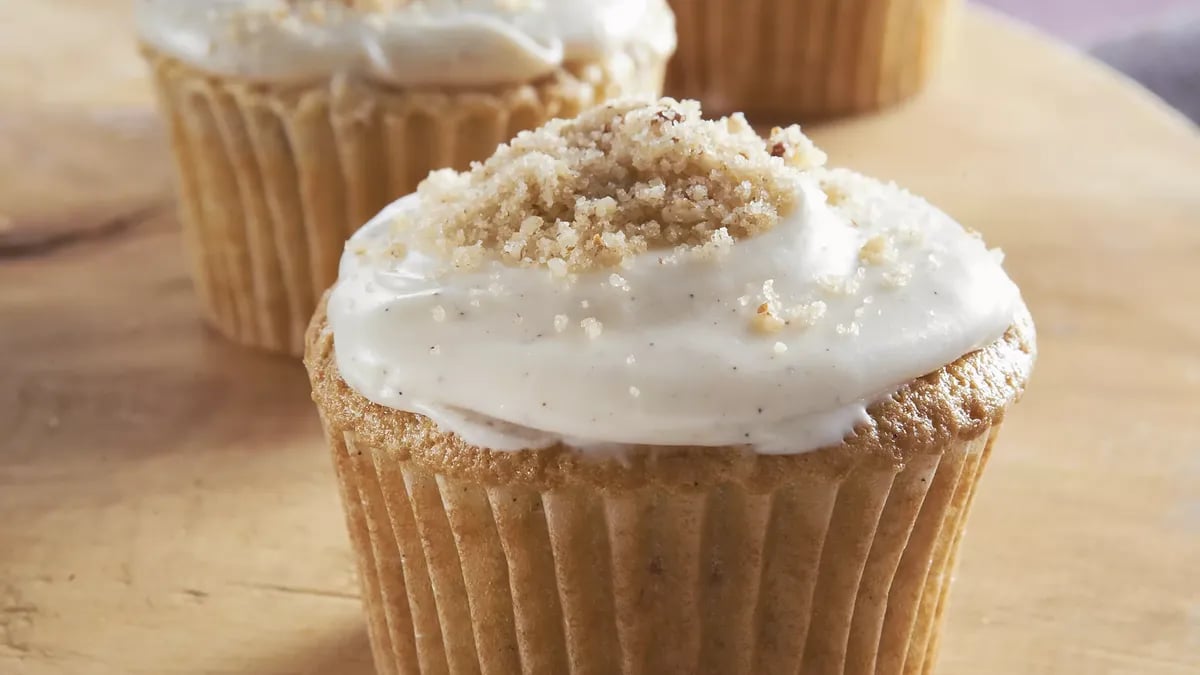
<point>1087,22</point>
<point>1156,42</point>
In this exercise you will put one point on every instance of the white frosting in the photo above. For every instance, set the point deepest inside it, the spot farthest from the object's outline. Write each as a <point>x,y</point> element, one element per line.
<point>676,360</point>
<point>434,42</point>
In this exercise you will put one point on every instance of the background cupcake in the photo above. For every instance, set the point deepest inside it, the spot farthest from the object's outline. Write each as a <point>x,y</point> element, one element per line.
<point>806,59</point>
<point>648,394</point>
<point>293,122</point>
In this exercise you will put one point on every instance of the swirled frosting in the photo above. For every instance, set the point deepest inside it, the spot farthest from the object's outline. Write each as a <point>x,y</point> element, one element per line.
<point>768,308</point>
<point>402,42</point>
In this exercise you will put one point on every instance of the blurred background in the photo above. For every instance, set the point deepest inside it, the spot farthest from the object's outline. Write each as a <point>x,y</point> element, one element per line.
<point>1156,42</point>
<point>1097,21</point>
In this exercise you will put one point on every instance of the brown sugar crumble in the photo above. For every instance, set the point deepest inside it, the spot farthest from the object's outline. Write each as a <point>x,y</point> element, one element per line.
<point>765,320</point>
<point>876,251</point>
<point>617,181</point>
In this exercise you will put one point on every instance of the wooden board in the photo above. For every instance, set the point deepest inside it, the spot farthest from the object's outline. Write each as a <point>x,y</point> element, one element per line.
<point>166,505</point>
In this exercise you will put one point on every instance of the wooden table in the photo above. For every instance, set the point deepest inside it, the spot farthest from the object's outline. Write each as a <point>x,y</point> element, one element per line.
<point>166,505</point>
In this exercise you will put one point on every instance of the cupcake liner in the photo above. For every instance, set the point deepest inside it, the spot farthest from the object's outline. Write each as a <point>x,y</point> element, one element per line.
<point>838,567</point>
<point>805,59</point>
<point>667,560</point>
<point>273,180</point>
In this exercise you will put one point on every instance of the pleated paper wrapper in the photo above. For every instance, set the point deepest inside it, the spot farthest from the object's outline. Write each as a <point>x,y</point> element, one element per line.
<point>273,180</point>
<point>832,571</point>
<point>802,60</point>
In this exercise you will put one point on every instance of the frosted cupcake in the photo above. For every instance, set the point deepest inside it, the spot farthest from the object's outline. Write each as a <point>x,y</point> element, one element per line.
<point>295,121</point>
<point>806,59</point>
<point>644,393</point>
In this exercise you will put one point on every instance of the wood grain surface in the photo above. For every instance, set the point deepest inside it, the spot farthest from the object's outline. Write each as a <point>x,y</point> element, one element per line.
<point>166,504</point>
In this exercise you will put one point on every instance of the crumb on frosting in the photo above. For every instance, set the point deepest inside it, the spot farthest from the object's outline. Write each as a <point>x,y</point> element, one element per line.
<point>620,179</point>
<point>834,194</point>
<point>898,276</point>
<point>806,314</point>
<point>592,327</point>
<point>876,251</point>
<point>765,320</point>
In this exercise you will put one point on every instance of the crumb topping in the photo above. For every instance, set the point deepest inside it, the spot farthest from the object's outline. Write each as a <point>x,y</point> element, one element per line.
<point>876,251</point>
<point>617,181</point>
<point>592,327</point>
<point>765,320</point>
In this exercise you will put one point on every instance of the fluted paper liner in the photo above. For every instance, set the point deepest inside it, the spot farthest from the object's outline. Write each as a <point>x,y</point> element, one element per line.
<point>273,180</point>
<point>805,59</point>
<point>666,560</point>
<point>828,573</point>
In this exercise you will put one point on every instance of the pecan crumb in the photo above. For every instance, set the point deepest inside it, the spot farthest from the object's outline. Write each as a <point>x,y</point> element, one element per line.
<point>668,115</point>
<point>617,181</point>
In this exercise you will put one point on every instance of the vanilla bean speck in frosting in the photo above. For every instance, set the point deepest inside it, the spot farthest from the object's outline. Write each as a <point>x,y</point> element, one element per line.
<point>403,42</point>
<point>639,275</point>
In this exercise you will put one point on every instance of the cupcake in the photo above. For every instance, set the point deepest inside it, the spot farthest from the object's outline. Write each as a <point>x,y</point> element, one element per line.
<point>294,121</point>
<point>806,59</point>
<point>645,393</point>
